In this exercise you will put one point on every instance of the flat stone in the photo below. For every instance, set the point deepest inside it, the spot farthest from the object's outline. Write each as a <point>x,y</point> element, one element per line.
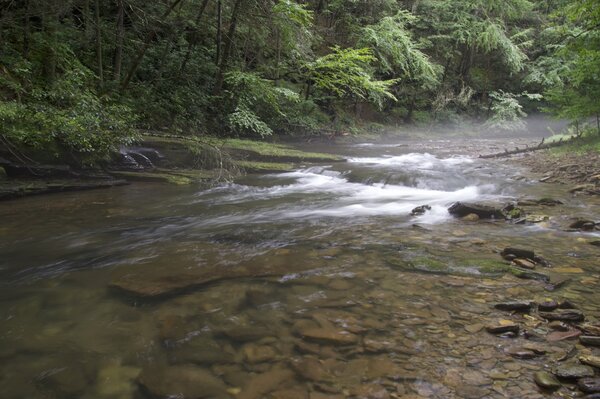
<point>590,360</point>
<point>524,306</point>
<point>589,340</point>
<point>181,381</point>
<point>328,336</point>
<point>589,385</point>
<point>562,335</point>
<point>564,315</point>
<point>546,380</point>
<point>311,369</point>
<point>474,328</point>
<point>527,264</point>
<point>590,329</point>
<point>573,371</point>
<point>521,353</point>
<point>503,328</point>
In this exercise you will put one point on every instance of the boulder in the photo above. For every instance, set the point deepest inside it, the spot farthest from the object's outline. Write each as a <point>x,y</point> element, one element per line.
<point>564,315</point>
<point>461,209</point>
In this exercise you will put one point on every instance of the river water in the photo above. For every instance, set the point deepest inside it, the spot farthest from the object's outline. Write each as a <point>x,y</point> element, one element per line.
<point>317,283</point>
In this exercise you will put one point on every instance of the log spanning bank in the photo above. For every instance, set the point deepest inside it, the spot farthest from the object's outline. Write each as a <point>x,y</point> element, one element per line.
<point>541,146</point>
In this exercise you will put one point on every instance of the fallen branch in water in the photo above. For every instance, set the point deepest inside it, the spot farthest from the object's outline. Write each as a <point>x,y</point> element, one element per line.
<point>541,146</point>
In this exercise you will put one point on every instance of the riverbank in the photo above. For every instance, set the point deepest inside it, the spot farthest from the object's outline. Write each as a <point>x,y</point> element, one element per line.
<point>164,159</point>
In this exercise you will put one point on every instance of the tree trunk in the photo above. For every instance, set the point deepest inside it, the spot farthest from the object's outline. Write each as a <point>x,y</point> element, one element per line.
<point>228,48</point>
<point>99,62</point>
<point>142,51</point>
<point>26,30</point>
<point>50,22</point>
<point>598,123</point>
<point>219,32</point>
<point>118,57</point>
<point>87,20</point>
<point>192,43</point>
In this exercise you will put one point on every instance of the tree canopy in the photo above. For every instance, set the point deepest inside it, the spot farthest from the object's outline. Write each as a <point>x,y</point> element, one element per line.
<point>82,76</point>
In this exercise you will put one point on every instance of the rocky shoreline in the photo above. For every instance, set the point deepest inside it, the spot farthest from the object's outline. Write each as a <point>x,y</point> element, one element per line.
<point>580,171</point>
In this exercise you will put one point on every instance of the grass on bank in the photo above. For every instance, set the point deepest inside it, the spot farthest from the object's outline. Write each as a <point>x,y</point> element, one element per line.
<point>589,142</point>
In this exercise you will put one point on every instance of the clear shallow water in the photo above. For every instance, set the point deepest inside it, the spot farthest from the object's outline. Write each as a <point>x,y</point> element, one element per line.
<point>332,238</point>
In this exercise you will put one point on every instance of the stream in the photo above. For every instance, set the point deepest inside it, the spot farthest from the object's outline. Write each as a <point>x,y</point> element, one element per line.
<point>316,283</point>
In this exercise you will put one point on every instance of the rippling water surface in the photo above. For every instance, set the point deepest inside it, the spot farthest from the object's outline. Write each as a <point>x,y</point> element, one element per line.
<point>313,283</point>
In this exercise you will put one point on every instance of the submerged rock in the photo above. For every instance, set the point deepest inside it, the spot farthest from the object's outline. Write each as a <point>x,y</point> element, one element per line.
<point>590,340</point>
<point>563,315</point>
<point>186,382</point>
<point>461,209</point>
<point>590,360</point>
<point>589,385</point>
<point>572,371</point>
<point>546,380</point>
<point>548,306</point>
<point>502,328</point>
<point>524,306</point>
<point>261,384</point>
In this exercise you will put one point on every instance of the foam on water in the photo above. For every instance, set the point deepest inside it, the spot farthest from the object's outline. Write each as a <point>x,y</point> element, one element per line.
<point>333,195</point>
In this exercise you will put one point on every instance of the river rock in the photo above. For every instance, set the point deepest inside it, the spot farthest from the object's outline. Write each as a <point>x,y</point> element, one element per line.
<point>590,340</point>
<point>420,210</point>
<point>187,382</point>
<point>471,217</point>
<point>564,315</point>
<point>294,393</point>
<point>590,329</point>
<point>461,209</point>
<point>521,353</point>
<point>502,328</point>
<point>258,353</point>
<point>312,369</point>
<point>590,360</point>
<point>517,253</point>
<point>548,306</point>
<point>527,264</point>
<point>589,385</point>
<point>546,380</point>
<point>264,383</point>
<point>523,306</point>
<point>566,304</point>
<point>582,224</point>
<point>562,335</point>
<point>329,336</point>
<point>573,371</point>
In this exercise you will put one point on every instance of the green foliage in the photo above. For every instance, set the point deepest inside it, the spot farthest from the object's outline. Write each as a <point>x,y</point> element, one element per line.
<point>256,100</point>
<point>398,54</point>
<point>64,116</point>
<point>345,73</point>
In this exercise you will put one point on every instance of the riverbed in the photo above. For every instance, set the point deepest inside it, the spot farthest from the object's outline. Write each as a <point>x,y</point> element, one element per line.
<point>315,283</point>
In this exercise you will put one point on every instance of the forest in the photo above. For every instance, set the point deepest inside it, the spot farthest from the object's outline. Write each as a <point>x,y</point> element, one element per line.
<point>81,77</point>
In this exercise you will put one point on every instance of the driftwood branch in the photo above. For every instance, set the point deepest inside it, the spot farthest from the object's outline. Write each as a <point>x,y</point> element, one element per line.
<point>541,146</point>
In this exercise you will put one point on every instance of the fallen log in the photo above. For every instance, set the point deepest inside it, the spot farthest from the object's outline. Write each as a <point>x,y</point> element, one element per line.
<point>541,146</point>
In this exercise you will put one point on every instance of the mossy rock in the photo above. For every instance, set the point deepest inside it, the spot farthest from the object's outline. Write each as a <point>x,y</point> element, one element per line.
<point>262,167</point>
<point>3,175</point>
<point>178,177</point>
<point>262,151</point>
